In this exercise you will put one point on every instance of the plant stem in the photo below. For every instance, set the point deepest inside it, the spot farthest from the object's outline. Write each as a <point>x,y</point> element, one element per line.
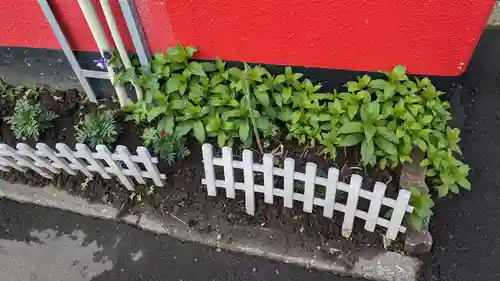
<point>246,88</point>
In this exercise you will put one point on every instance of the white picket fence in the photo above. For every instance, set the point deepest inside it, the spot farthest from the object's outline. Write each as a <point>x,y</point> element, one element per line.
<point>377,198</point>
<point>47,162</point>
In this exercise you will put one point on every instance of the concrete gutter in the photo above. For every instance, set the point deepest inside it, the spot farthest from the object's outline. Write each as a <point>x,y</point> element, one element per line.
<point>494,20</point>
<point>382,265</point>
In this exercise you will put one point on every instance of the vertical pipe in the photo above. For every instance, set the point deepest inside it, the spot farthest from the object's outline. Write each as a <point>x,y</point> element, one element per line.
<point>108,14</point>
<point>102,43</point>
<point>136,31</point>
<point>67,50</point>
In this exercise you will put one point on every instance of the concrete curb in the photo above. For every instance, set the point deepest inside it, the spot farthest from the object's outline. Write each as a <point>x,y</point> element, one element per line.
<point>384,266</point>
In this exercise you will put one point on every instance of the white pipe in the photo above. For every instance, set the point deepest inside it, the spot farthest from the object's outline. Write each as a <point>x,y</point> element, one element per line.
<point>102,43</point>
<point>110,19</point>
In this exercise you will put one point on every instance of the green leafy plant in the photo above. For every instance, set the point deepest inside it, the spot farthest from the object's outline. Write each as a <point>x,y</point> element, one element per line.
<point>99,127</point>
<point>386,118</point>
<point>205,99</point>
<point>422,204</point>
<point>28,120</point>
<point>171,148</point>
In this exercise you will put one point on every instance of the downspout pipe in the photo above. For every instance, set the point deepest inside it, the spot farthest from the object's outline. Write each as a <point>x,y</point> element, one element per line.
<point>110,19</point>
<point>102,43</point>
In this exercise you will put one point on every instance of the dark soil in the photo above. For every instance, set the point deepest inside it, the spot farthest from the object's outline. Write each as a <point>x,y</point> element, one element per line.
<point>184,197</point>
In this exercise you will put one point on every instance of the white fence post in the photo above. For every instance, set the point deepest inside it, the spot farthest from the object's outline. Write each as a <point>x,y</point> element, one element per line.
<point>60,163</point>
<point>288,182</point>
<point>6,150</point>
<point>309,187</point>
<point>352,205</point>
<point>375,204</point>
<point>249,182</point>
<point>9,163</point>
<point>27,151</point>
<point>227,157</point>
<point>82,151</point>
<point>68,153</point>
<point>330,192</point>
<point>122,154</point>
<point>209,169</point>
<point>47,162</point>
<point>152,171</point>
<point>268,161</point>
<point>398,213</point>
<point>331,184</point>
<point>107,156</point>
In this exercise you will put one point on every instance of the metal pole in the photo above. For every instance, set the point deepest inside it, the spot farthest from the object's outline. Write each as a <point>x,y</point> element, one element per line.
<point>108,14</point>
<point>136,32</point>
<point>67,50</point>
<point>102,43</point>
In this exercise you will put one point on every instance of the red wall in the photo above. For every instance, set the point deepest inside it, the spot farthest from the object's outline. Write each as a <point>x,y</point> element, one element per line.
<point>428,36</point>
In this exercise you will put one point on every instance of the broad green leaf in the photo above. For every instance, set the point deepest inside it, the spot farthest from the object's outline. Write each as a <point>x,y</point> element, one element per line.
<point>415,222</point>
<point>370,111</point>
<point>421,144</point>
<point>370,131</point>
<point>352,110</point>
<point>177,104</point>
<point>262,123</point>
<point>278,99</point>
<point>442,190</point>
<point>191,50</point>
<point>183,128</point>
<point>286,94</point>
<point>363,81</point>
<point>386,146</point>
<point>400,132</point>
<point>196,68</point>
<point>351,140</point>
<point>220,64</point>
<point>399,71</point>
<point>425,163</point>
<point>427,119</point>
<point>208,66</point>
<point>296,116</point>
<point>221,139</point>
<point>167,124</point>
<point>378,84</point>
<point>166,71</point>
<point>463,169</point>
<point>351,127</point>
<point>173,84</point>
<point>353,86</point>
<point>463,182</point>
<point>279,79</point>
<point>454,188</point>
<point>244,130</point>
<point>367,151</point>
<point>364,96</point>
<point>155,112</point>
<point>199,131</point>
<point>262,97</point>
<point>387,134</point>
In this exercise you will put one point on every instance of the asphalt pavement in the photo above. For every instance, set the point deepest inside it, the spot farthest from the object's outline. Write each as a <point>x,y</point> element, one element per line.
<point>45,244</point>
<point>466,227</point>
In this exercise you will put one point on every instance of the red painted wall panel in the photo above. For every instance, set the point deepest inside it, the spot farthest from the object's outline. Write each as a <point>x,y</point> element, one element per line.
<point>428,36</point>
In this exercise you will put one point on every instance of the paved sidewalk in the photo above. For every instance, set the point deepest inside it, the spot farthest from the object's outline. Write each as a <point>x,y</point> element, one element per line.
<point>44,244</point>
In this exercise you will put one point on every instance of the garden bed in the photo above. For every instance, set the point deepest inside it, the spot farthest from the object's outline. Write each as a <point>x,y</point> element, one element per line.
<point>374,127</point>
<point>184,197</point>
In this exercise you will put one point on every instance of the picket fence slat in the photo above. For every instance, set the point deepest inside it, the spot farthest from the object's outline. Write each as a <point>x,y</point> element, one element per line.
<point>227,156</point>
<point>47,162</point>
<point>310,181</point>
